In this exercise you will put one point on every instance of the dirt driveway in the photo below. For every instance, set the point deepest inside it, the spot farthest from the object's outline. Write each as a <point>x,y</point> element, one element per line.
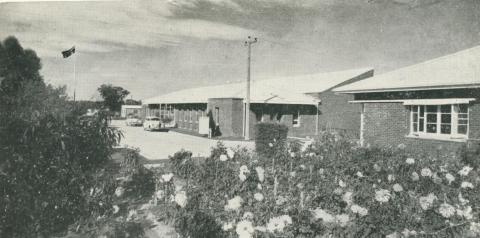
<point>159,145</point>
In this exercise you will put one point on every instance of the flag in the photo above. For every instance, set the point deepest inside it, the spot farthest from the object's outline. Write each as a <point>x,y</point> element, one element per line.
<point>69,52</point>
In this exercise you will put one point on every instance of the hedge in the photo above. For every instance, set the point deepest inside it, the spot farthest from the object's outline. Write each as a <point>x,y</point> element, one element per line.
<point>269,137</point>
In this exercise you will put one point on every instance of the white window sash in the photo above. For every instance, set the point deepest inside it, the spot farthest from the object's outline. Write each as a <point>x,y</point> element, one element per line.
<point>454,119</point>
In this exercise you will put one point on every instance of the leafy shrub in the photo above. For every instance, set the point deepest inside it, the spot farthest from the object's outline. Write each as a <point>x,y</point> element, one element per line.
<point>52,161</point>
<point>267,135</point>
<point>329,187</point>
<point>139,181</point>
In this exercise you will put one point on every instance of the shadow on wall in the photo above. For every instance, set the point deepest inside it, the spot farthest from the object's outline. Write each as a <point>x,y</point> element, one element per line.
<point>214,126</point>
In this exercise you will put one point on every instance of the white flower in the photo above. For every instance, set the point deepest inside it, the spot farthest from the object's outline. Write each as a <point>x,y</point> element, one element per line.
<point>341,183</point>
<point>415,176</point>
<point>167,177</point>
<point>465,170</point>
<point>115,209</point>
<point>359,174</point>
<point>243,171</point>
<point>324,215</point>
<point>259,186</point>
<point>223,158</point>
<point>427,201</point>
<point>462,200</point>
<point>258,197</point>
<point>260,173</point>
<point>397,187</point>
<point>393,235</point>
<point>407,233</point>
<point>446,210</point>
<point>234,204</point>
<point>410,161</point>
<point>342,219</point>
<point>377,168</point>
<point>119,191</point>
<point>450,178</point>
<point>475,228</point>
<point>391,178</point>
<point>437,179</point>
<point>270,144</point>
<point>230,153</point>
<point>426,172</point>
<point>227,226</point>
<point>292,154</point>
<point>278,223</point>
<point>247,216</point>
<point>466,212</point>
<point>131,215</point>
<point>160,194</point>
<point>359,210</point>
<point>303,167</point>
<point>181,198</point>
<point>401,146</point>
<point>382,195</point>
<point>467,185</point>
<point>311,154</point>
<point>245,229</point>
<point>321,171</point>
<point>293,174</point>
<point>347,197</point>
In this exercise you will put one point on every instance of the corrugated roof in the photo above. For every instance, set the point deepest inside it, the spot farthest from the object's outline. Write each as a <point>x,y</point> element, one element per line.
<point>282,90</point>
<point>458,70</point>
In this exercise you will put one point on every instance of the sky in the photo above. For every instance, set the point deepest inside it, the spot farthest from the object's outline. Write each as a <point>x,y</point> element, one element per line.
<point>152,47</point>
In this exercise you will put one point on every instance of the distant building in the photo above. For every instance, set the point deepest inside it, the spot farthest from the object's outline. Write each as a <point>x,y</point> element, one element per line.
<point>305,103</point>
<point>430,105</point>
<point>130,110</point>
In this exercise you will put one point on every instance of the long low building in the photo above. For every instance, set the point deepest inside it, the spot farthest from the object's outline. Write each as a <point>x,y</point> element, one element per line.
<point>431,105</point>
<point>306,104</point>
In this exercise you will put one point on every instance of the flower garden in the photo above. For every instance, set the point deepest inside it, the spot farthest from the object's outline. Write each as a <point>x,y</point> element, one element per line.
<point>327,187</point>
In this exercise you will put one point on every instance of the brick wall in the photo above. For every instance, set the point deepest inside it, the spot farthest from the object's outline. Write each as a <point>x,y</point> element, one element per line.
<point>336,113</point>
<point>230,115</point>
<point>387,124</point>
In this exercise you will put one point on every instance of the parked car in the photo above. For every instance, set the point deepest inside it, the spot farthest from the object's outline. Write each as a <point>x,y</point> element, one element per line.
<point>133,121</point>
<point>152,123</point>
<point>168,122</point>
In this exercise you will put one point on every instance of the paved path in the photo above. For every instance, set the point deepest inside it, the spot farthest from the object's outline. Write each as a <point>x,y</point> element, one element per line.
<point>159,145</point>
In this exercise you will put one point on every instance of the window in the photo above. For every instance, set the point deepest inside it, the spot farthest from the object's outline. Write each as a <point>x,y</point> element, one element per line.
<point>296,119</point>
<point>443,121</point>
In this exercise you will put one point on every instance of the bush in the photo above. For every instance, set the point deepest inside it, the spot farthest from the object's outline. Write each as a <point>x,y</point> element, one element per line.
<point>52,161</point>
<point>269,138</point>
<point>329,188</point>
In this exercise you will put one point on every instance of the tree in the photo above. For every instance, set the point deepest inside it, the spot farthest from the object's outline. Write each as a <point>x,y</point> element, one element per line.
<point>50,157</point>
<point>113,96</point>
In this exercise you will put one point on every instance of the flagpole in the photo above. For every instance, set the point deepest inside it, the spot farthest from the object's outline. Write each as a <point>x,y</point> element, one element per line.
<point>74,76</point>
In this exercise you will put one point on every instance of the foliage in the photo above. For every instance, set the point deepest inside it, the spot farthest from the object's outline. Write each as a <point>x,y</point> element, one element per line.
<point>113,96</point>
<point>133,102</point>
<point>267,135</point>
<point>140,182</point>
<point>51,160</point>
<point>328,187</point>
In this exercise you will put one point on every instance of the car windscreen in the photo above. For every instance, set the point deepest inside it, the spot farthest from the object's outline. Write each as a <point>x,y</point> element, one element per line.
<point>155,119</point>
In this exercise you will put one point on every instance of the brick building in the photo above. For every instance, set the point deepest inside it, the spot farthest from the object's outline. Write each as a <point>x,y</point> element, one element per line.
<point>305,103</point>
<point>432,105</point>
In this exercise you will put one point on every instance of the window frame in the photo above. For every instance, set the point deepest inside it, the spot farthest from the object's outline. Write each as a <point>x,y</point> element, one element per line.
<point>415,113</point>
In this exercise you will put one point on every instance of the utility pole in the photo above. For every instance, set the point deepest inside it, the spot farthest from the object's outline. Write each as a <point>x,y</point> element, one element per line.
<point>248,43</point>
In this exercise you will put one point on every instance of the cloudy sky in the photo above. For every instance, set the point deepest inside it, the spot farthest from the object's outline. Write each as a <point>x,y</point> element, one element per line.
<point>152,47</point>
